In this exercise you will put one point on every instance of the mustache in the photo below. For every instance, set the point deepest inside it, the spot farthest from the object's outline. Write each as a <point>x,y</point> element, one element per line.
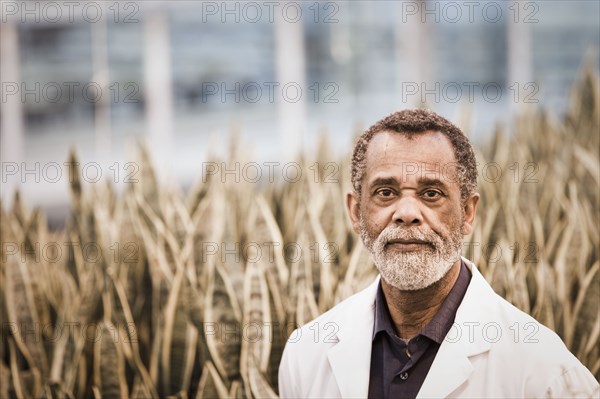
<point>413,234</point>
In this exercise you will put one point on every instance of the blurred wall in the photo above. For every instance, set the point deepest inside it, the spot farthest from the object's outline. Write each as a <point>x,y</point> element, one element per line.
<point>183,76</point>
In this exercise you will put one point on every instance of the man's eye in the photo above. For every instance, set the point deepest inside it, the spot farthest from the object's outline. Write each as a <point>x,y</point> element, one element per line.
<point>432,194</point>
<point>385,192</point>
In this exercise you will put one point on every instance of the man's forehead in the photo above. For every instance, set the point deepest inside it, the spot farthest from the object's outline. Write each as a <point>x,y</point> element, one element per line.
<point>426,151</point>
<point>428,137</point>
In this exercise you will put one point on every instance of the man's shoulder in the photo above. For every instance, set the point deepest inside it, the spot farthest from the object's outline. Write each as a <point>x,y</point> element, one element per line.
<point>518,341</point>
<point>504,339</point>
<point>325,328</point>
<point>528,335</point>
<point>540,354</point>
<point>304,370</point>
<point>506,324</point>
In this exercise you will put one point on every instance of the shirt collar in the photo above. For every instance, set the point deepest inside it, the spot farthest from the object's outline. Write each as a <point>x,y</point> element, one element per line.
<point>438,327</point>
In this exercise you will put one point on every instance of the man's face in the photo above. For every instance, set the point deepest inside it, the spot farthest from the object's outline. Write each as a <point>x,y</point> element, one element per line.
<point>409,214</point>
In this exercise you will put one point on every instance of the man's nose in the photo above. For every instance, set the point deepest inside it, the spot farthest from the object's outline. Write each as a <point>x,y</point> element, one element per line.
<point>407,212</point>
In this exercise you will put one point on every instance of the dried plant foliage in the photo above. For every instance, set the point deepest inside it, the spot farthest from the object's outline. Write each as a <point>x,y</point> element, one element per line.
<point>191,303</point>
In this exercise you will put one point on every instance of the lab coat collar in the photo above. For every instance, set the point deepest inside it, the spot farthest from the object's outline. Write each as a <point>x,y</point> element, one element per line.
<point>350,357</point>
<point>452,365</point>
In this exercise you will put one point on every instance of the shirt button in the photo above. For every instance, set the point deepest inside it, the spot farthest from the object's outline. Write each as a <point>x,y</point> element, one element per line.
<point>404,376</point>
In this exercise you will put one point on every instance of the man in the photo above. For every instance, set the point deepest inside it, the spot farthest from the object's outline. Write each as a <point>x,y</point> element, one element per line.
<point>430,326</point>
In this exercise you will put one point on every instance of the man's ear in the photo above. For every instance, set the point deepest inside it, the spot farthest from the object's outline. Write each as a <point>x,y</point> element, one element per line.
<point>470,209</point>
<point>352,204</point>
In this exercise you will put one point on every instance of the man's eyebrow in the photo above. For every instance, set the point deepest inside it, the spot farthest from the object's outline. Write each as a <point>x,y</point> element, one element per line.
<point>432,182</point>
<point>383,181</point>
<point>391,181</point>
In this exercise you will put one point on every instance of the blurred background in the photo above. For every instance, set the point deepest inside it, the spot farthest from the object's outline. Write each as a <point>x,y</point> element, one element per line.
<point>183,76</point>
<point>135,271</point>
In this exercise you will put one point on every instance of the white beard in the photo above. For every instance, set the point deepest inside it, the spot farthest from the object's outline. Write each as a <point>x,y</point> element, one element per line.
<point>414,270</point>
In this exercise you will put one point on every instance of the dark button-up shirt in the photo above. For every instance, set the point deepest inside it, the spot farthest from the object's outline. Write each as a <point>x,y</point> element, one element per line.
<point>398,368</point>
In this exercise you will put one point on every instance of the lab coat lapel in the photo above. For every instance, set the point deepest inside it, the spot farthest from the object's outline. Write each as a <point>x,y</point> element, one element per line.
<point>350,357</point>
<point>449,370</point>
<point>452,365</point>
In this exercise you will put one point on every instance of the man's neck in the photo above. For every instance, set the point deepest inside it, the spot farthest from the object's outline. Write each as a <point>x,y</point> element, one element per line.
<point>412,310</point>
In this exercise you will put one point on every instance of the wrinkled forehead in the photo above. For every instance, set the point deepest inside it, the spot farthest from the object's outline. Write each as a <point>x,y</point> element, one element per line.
<point>427,154</point>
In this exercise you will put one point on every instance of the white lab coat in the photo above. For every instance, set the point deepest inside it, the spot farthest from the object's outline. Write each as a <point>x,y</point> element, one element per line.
<point>493,350</point>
